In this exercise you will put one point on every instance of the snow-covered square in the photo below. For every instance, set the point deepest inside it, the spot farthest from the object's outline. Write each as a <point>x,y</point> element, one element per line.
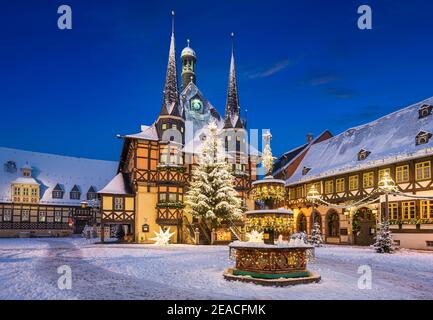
<point>28,269</point>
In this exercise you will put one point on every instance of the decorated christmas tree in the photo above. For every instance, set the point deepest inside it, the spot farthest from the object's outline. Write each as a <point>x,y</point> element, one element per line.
<point>211,195</point>
<point>316,235</point>
<point>384,242</point>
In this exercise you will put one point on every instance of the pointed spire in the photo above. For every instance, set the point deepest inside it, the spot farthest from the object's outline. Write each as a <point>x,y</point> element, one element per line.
<point>170,102</point>
<point>232,106</point>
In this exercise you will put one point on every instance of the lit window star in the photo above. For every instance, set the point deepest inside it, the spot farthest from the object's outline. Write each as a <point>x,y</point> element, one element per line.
<point>163,237</point>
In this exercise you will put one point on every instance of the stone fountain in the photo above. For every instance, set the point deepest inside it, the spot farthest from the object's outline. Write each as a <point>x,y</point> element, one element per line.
<point>267,261</point>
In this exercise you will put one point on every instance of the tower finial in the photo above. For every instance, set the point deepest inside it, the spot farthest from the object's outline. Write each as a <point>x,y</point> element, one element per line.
<point>187,42</point>
<point>172,22</point>
<point>233,41</point>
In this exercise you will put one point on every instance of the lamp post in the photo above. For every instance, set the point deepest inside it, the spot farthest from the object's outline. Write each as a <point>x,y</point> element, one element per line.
<point>387,185</point>
<point>312,196</point>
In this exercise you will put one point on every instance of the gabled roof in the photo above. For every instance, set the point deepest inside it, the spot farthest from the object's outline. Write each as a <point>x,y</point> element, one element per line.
<point>50,170</point>
<point>91,190</point>
<point>389,139</point>
<point>287,158</point>
<point>75,189</point>
<point>119,185</point>
<point>146,133</point>
<point>58,187</point>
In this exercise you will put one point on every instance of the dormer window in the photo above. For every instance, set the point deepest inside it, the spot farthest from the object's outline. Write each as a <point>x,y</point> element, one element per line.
<point>58,192</point>
<point>363,154</point>
<point>425,111</point>
<point>422,138</point>
<point>91,193</point>
<point>26,171</point>
<point>75,193</point>
<point>305,170</point>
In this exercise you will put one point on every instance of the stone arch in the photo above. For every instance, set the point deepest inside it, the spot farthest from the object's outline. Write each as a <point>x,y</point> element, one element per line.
<point>332,223</point>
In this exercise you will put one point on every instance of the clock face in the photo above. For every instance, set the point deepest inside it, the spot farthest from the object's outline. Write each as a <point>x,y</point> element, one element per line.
<point>196,105</point>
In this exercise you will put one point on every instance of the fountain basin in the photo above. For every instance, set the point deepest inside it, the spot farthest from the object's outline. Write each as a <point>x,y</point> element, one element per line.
<point>280,264</point>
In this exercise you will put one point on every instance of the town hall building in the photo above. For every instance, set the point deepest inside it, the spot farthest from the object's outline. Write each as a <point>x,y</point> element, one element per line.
<point>155,164</point>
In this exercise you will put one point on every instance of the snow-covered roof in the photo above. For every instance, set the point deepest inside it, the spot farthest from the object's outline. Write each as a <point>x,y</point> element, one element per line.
<point>389,139</point>
<point>48,170</point>
<point>25,180</point>
<point>146,133</point>
<point>118,185</point>
<point>290,156</point>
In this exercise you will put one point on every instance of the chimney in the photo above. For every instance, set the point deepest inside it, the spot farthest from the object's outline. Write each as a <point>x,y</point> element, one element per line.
<point>309,138</point>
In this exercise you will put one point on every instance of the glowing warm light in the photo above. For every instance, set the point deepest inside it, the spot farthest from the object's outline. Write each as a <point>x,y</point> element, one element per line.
<point>163,237</point>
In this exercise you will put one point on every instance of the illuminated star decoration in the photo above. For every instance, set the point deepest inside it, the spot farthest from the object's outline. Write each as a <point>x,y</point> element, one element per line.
<point>163,237</point>
<point>255,236</point>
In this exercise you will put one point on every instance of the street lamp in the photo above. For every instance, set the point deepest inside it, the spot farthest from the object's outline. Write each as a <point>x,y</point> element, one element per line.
<point>387,186</point>
<point>313,196</point>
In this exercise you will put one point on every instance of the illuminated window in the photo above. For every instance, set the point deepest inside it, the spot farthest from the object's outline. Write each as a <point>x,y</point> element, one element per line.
<point>393,211</point>
<point>25,215</point>
<point>42,216</point>
<point>17,191</point>
<point>402,174</point>
<point>25,191</point>
<point>353,183</point>
<point>172,197</point>
<point>162,197</point>
<point>384,172</point>
<point>164,126</point>
<point>34,192</point>
<point>118,203</point>
<point>58,216</point>
<point>426,209</point>
<point>339,185</point>
<point>408,210</point>
<point>292,194</point>
<point>7,215</point>
<point>299,192</point>
<point>422,170</point>
<point>368,180</point>
<point>329,187</point>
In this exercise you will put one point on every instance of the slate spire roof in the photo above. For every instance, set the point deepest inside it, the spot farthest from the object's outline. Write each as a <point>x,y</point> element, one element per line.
<point>232,116</point>
<point>170,101</point>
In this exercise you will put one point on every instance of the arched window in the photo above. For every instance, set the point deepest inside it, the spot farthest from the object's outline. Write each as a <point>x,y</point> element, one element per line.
<point>333,224</point>
<point>302,223</point>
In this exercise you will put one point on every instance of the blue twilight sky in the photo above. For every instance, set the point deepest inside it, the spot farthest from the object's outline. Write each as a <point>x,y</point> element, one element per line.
<point>303,66</point>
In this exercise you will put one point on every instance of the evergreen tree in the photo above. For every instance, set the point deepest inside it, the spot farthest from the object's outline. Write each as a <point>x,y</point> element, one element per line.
<point>316,235</point>
<point>211,195</point>
<point>384,242</point>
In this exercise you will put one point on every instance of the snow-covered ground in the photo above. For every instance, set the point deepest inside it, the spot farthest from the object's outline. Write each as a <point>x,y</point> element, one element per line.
<point>28,270</point>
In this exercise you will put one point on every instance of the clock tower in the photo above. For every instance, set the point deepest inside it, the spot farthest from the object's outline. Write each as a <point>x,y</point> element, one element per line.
<point>189,60</point>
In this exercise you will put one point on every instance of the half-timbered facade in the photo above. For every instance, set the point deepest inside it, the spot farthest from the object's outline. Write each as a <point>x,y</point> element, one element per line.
<point>49,195</point>
<point>156,163</point>
<point>346,170</point>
